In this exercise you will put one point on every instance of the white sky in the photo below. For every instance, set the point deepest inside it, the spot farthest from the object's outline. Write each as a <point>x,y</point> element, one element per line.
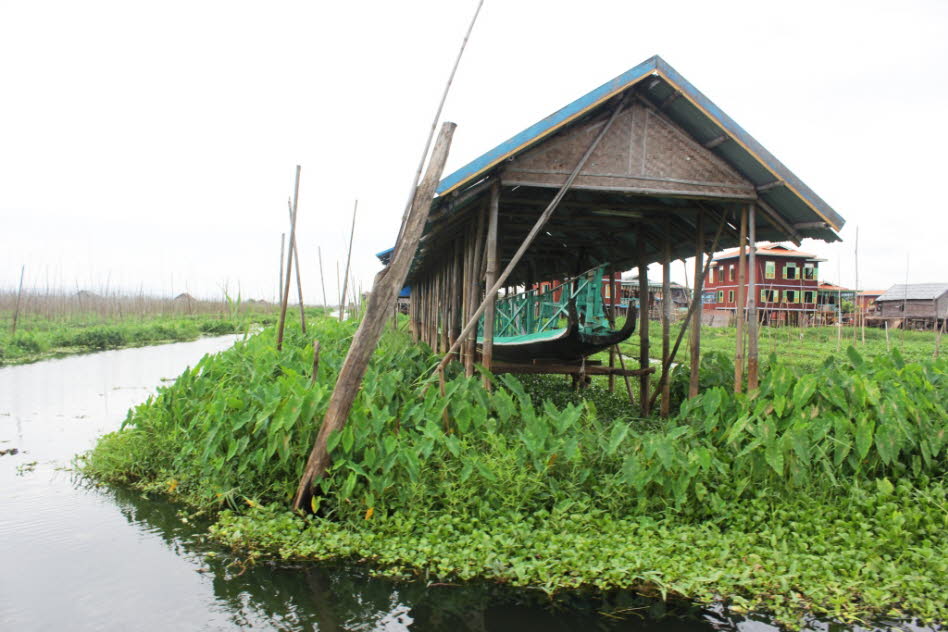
<point>154,144</point>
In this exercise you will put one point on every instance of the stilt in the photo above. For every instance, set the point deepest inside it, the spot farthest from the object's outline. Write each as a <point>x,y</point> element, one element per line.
<point>487,348</point>
<point>741,300</point>
<point>643,324</point>
<point>696,315</point>
<point>752,324</point>
<point>666,317</point>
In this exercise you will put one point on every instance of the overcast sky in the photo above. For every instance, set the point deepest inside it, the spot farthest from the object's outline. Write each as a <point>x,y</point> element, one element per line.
<point>153,144</point>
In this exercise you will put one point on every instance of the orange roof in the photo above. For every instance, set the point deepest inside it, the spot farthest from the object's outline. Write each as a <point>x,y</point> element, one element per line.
<point>833,288</point>
<point>774,250</point>
<point>871,292</point>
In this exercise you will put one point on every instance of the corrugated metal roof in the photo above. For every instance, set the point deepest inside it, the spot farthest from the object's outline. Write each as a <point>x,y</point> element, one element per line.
<point>914,292</point>
<point>778,187</point>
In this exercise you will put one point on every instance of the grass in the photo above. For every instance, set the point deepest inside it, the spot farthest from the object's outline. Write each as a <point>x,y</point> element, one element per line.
<point>818,495</point>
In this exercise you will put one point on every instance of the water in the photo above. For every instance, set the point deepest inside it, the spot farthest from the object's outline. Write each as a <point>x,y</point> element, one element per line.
<point>76,556</point>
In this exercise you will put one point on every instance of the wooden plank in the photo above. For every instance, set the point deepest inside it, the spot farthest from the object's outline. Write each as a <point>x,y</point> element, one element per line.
<point>386,287</point>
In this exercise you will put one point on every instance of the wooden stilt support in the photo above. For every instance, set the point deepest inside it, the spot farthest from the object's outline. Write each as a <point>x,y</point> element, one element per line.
<point>289,264</point>
<point>614,349</point>
<point>696,315</point>
<point>666,317</point>
<point>643,324</point>
<point>487,349</point>
<point>741,300</point>
<point>752,324</point>
<point>387,284</point>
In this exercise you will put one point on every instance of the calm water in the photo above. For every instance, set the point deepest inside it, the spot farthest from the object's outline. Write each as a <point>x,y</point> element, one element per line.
<point>74,556</point>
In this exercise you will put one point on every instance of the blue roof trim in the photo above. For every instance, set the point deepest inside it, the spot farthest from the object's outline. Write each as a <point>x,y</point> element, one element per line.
<point>385,253</point>
<point>548,124</point>
<point>758,150</point>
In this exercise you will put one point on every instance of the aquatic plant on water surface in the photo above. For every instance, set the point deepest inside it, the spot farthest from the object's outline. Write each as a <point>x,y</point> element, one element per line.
<point>823,494</point>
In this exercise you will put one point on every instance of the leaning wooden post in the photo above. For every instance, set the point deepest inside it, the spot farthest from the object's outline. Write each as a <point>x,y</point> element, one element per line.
<point>345,279</point>
<point>490,313</point>
<point>289,264</point>
<point>386,287</point>
<point>282,259</point>
<point>19,293</point>
<point>666,317</point>
<point>537,227</point>
<point>696,315</point>
<point>752,301</point>
<point>643,323</point>
<point>296,261</point>
<point>741,300</point>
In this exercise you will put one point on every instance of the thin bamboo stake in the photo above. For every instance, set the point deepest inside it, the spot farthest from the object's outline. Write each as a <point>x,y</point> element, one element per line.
<point>387,284</point>
<point>289,263</point>
<point>345,279</point>
<point>296,261</point>
<point>741,300</point>
<point>528,240</point>
<point>282,260</point>
<point>19,294</point>
<point>322,279</point>
<point>752,324</point>
<point>434,123</point>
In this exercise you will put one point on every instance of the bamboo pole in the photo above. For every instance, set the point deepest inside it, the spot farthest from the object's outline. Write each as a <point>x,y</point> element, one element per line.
<point>387,284</point>
<point>345,279</point>
<point>296,262</point>
<point>289,263</point>
<point>613,350</point>
<point>693,382</point>
<point>666,317</point>
<point>282,261</point>
<point>752,324</point>
<point>19,294</point>
<point>643,323</point>
<point>739,308</point>
<point>540,223</point>
<point>490,280</point>
<point>322,279</point>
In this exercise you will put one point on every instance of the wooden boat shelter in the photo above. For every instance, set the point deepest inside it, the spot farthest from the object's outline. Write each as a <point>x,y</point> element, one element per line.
<point>642,169</point>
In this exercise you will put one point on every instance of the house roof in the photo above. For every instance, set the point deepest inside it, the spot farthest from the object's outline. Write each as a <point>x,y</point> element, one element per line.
<point>829,287</point>
<point>871,292</point>
<point>772,250</point>
<point>777,187</point>
<point>914,292</point>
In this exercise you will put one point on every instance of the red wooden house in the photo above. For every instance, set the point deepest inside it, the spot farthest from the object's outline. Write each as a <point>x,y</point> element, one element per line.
<point>787,283</point>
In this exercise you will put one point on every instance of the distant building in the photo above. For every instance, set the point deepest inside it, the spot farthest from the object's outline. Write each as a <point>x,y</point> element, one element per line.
<point>915,305</point>
<point>866,301</point>
<point>831,300</point>
<point>787,283</point>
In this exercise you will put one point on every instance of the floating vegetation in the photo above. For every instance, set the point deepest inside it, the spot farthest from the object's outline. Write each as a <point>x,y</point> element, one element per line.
<point>819,495</point>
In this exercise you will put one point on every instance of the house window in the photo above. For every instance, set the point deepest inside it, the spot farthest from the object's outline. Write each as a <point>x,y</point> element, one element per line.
<point>792,296</point>
<point>730,296</point>
<point>808,297</point>
<point>809,272</point>
<point>790,271</point>
<point>720,275</point>
<point>720,296</point>
<point>770,296</point>
<point>730,272</point>
<point>770,270</point>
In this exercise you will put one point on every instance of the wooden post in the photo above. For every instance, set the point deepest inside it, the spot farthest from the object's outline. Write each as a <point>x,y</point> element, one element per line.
<point>941,331</point>
<point>666,317</point>
<point>473,290</point>
<point>19,294</point>
<point>387,285</point>
<point>643,323</point>
<point>282,258</point>
<point>537,227</point>
<point>613,350</point>
<point>741,300</point>
<point>296,260</point>
<point>315,361</point>
<point>698,298</point>
<point>345,279</point>
<point>322,279</point>
<point>490,313</point>
<point>752,324</point>
<point>289,264</point>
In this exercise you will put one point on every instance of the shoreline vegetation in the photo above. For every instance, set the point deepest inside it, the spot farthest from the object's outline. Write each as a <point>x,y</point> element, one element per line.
<point>51,326</point>
<point>822,495</point>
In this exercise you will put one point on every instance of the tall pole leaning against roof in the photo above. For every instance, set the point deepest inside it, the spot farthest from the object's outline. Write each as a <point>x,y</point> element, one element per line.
<point>387,284</point>
<point>289,262</point>
<point>345,278</point>
<point>528,240</point>
<point>296,261</point>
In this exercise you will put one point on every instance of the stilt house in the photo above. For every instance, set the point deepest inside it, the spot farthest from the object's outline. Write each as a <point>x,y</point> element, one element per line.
<point>642,169</point>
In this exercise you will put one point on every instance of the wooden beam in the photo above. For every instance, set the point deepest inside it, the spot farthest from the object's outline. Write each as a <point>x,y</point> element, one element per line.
<point>386,287</point>
<point>714,142</point>
<point>763,188</point>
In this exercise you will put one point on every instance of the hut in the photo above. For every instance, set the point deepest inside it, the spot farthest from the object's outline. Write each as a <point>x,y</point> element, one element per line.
<point>643,169</point>
<point>920,305</point>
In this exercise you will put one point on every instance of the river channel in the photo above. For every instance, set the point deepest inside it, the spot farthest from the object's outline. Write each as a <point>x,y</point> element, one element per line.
<point>77,556</point>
